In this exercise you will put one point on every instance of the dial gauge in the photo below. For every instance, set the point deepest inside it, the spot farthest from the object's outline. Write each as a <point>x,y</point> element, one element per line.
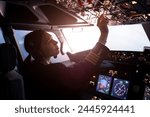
<point>120,88</point>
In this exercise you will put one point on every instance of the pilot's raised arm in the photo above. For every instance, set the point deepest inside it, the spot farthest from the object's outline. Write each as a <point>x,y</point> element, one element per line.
<point>100,50</point>
<point>78,76</point>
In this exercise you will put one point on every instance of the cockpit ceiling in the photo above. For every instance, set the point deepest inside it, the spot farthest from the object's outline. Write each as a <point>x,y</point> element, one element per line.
<point>117,11</point>
<point>81,12</point>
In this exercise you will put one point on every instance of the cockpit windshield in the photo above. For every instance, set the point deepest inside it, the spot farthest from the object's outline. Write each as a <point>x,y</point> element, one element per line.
<point>120,38</point>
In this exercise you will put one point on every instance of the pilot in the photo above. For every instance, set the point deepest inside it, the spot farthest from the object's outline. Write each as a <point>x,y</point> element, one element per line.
<point>46,80</point>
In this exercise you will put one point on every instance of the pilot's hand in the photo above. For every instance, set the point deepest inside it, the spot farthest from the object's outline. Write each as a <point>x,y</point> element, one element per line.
<point>102,23</point>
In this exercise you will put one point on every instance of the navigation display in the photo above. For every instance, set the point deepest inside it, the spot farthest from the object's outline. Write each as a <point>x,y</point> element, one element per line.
<point>103,84</point>
<point>120,88</point>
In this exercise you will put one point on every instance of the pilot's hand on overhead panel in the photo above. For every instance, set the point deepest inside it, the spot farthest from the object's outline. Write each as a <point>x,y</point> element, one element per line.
<point>102,23</point>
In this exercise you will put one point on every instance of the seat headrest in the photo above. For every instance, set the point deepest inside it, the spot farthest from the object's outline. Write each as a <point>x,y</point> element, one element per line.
<point>7,57</point>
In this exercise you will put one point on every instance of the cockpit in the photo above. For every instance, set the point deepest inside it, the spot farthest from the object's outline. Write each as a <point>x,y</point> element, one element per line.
<point>123,75</point>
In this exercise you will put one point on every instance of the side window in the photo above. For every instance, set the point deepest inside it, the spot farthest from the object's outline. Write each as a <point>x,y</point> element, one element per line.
<point>1,37</point>
<point>19,35</point>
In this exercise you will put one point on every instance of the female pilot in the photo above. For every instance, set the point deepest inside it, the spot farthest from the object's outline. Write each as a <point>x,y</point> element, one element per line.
<point>46,80</point>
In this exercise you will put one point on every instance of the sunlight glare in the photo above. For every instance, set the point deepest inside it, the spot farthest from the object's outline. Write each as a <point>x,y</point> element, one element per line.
<point>81,39</point>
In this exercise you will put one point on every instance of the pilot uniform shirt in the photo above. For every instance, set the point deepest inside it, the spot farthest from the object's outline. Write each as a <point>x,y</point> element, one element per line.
<point>56,81</point>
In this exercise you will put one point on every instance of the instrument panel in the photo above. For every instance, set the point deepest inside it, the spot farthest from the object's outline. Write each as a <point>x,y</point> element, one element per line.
<point>123,76</point>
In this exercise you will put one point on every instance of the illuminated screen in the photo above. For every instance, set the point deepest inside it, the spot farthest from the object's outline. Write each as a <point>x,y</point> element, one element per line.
<point>120,38</point>
<point>147,93</point>
<point>120,88</point>
<point>103,84</point>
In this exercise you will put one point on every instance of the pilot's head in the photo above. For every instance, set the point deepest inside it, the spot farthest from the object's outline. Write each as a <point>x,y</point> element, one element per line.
<point>40,45</point>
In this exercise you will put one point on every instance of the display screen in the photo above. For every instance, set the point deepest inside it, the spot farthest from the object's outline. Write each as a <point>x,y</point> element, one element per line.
<point>103,84</point>
<point>120,88</point>
<point>147,93</point>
